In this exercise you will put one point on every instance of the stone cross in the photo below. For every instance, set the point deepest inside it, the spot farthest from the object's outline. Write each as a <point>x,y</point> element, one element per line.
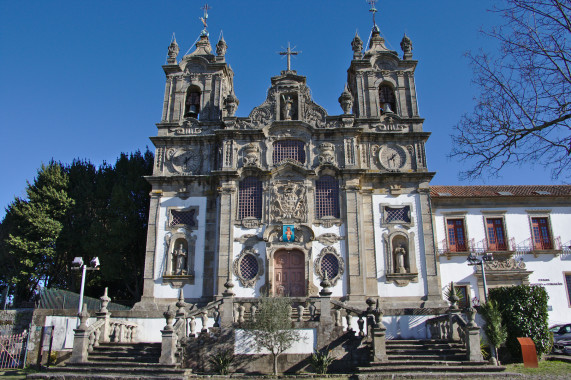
<point>289,53</point>
<point>373,10</point>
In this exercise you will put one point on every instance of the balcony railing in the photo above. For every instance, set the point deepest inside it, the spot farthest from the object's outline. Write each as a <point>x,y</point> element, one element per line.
<point>529,245</point>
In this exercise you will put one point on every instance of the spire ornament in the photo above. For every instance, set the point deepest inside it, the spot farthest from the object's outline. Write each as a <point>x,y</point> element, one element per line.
<point>173,51</point>
<point>204,19</point>
<point>346,100</point>
<point>406,46</point>
<point>221,46</point>
<point>357,46</point>
<point>373,10</point>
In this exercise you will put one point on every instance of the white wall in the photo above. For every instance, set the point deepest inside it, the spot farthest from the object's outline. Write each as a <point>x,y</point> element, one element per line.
<point>340,288</point>
<point>190,291</point>
<point>239,289</point>
<point>390,289</point>
<point>244,344</point>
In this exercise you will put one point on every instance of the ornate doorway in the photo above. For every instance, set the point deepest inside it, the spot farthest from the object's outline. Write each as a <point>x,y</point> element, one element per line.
<point>289,273</point>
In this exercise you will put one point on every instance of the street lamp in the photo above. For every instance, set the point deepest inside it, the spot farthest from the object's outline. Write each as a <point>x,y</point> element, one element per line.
<point>77,264</point>
<point>473,260</point>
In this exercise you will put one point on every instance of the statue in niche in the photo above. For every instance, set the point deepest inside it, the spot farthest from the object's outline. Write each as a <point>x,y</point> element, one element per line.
<point>400,253</point>
<point>179,258</point>
<point>288,107</point>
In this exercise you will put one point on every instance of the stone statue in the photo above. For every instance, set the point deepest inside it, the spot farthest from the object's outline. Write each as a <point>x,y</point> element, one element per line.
<point>400,253</point>
<point>179,256</point>
<point>288,105</point>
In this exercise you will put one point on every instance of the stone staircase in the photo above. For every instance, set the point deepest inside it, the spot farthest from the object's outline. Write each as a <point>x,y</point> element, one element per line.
<point>117,361</point>
<point>427,358</point>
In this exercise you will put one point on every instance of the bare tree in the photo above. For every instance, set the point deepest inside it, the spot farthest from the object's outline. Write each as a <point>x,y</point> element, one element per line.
<point>271,327</point>
<point>523,111</point>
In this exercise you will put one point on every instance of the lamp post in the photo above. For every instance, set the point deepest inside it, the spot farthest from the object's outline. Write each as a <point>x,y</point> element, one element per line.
<point>474,260</point>
<point>77,264</point>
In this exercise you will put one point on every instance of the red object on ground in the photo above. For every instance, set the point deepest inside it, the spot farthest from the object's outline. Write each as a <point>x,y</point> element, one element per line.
<point>528,352</point>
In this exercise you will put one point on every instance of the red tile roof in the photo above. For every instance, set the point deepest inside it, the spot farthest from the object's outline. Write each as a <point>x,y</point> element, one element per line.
<point>494,191</point>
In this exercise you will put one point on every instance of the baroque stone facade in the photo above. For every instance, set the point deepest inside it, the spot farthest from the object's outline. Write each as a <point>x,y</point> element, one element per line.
<point>290,195</point>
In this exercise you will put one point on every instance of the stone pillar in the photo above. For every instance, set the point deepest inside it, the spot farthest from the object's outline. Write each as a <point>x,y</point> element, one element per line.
<point>226,235</point>
<point>149,271</point>
<point>473,352</point>
<point>81,339</point>
<point>379,331</point>
<point>356,260</point>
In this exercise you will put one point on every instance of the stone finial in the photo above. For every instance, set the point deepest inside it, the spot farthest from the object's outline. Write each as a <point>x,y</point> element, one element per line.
<point>104,301</point>
<point>169,316</point>
<point>180,304</point>
<point>231,103</point>
<point>229,285</point>
<point>346,100</point>
<point>173,52</point>
<point>370,303</point>
<point>378,312</point>
<point>357,45</point>
<point>452,297</point>
<point>325,284</point>
<point>221,46</point>
<point>471,312</point>
<point>83,317</point>
<point>406,46</point>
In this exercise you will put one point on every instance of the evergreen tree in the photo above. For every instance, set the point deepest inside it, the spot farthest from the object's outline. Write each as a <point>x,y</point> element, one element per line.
<point>31,229</point>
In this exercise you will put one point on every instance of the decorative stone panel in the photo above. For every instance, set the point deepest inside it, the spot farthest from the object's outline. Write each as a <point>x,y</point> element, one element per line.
<point>248,267</point>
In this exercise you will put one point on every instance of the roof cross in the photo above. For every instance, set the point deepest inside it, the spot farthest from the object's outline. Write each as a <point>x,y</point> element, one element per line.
<point>289,53</point>
<point>373,10</point>
<point>204,19</point>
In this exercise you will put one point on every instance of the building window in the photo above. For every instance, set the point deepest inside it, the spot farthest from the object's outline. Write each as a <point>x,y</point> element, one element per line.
<point>183,217</point>
<point>289,149</point>
<point>249,267</point>
<point>568,284</point>
<point>192,102</point>
<point>397,214</point>
<point>540,230</point>
<point>456,235</point>
<point>327,197</point>
<point>464,294</point>
<point>387,99</point>
<point>330,265</point>
<point>250,198</point>
<point>496,234</point>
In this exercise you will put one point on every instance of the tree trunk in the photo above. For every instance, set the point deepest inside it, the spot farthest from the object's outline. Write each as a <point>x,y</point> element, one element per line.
<point>275,365</point>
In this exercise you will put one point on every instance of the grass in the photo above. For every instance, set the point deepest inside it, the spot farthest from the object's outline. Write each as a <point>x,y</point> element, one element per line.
<point>15,374</point>
<point>546,368</point>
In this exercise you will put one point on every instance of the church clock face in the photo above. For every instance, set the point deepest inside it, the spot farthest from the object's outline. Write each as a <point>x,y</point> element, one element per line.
<point>185,161</point>
<point>392,157</point>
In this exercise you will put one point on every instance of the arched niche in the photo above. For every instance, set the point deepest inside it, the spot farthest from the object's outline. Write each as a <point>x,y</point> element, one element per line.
<point>179,258</point>
<point>192,101</point>
<point>400,257</point>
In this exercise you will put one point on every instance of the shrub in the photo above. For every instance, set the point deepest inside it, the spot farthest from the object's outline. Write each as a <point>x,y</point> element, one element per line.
<point>320,361</point>
<point>221,362</point>
<point>524,312</point>
<point>495,329</point>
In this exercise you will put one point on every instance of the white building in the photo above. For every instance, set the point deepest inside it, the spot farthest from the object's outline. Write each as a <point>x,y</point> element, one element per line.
<point>526,228</point>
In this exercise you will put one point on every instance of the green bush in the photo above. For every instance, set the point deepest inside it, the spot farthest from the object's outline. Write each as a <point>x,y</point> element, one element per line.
<point>524,312</point>
<point>221,362</point>
<point>320,361</point>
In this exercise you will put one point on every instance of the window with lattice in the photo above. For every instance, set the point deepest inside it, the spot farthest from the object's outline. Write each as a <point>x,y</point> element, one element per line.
<point>397,214</point>
<point>250,198</point>
<point>288,149</point>
<point>327,197</point>
<point>330,265</point>
<point>186,217</point>
<point>249,267</point>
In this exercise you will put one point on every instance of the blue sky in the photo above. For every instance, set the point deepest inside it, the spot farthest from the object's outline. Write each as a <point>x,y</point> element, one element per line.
<point>83,79</point>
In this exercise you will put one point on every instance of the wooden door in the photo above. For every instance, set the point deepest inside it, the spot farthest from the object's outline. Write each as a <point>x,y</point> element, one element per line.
<point>289,274</point>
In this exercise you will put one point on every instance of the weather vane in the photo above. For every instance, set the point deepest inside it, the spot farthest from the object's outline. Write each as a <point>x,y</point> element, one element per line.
<point>289,52</point>
<point>373,10</point>
<point>204,19</point>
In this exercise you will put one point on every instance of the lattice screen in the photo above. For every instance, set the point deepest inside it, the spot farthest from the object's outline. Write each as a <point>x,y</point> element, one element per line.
<point>292,149</point>
<point>250,198</point>
<point>327,197</point>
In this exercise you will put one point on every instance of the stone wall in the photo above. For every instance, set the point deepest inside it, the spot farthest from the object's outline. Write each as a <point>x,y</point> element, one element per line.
<point>15,321</point>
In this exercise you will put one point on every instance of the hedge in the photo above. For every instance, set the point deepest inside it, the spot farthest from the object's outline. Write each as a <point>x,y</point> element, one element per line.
<point>524,312</point>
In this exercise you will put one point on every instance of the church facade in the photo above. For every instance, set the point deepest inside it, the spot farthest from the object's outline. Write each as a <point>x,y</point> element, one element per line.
<point>279,201</point>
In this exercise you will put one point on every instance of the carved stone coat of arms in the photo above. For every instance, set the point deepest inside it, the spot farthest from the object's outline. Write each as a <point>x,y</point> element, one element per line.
<point>289,201</point>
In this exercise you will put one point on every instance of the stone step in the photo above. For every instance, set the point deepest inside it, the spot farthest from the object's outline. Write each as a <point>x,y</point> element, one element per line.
<point>456,357</point>
<point>437,375</point>
<point>87,371</point>
<point>122,364</point>
<point>420,346</point>
<point>431,368</point>
<point>427,363</point>
<point>425,352</point>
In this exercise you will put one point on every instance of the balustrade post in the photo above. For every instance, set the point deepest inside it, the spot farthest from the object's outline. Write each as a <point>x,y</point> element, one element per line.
<point>104,314</point>
<point>169,338</point>
<point>81,338</point>
<point>472,330</point>
<point>379,336</point>
<point>325,298</point>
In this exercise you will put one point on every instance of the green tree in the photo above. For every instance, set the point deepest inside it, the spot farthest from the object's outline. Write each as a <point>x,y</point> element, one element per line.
<point>495,330</point>
<point>272,328</point>
<point>31,229</point>
<point>523,112</point>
